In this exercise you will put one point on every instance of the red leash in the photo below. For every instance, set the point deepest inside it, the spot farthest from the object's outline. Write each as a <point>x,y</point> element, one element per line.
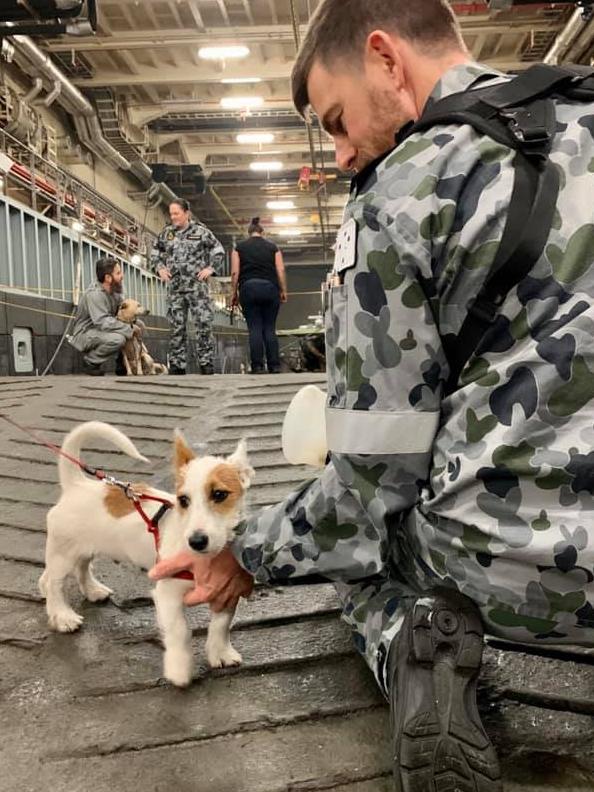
<point>152,523</point>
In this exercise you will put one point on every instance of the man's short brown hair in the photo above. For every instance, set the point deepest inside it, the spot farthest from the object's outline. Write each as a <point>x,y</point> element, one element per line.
<point>339,29</point>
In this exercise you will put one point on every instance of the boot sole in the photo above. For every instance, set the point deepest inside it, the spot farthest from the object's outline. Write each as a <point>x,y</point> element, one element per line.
<point>440,744</point>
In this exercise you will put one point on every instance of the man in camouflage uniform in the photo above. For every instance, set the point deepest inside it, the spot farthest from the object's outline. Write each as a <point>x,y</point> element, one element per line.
<point>185,255</point>
<point>487,491</point>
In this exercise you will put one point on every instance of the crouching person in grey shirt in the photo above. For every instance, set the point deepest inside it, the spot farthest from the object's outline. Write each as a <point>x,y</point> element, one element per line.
<point>97,333</point>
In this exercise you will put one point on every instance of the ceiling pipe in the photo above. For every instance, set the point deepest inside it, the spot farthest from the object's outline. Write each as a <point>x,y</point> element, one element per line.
<point>73,100</point>
<point>581,45</point>
<point>53,95</point>
<point>34,92</point>
<point>84,116</point>
<point>565,39</point>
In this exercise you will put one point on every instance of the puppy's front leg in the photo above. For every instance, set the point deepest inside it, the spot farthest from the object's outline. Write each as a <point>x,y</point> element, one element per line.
<point>219,651</point>
<point>177,636</point>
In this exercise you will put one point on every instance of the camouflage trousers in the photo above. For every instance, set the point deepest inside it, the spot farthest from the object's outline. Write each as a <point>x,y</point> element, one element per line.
<point>322,532</point>
<point>199,308</point>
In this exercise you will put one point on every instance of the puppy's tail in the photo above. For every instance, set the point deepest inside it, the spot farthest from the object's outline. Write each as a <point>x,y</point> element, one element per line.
<point>70,473</point>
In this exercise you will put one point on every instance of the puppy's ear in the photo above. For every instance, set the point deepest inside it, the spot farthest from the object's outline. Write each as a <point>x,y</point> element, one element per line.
<point>239,459</point>
<point>183,453</point>
<point>124,306</point>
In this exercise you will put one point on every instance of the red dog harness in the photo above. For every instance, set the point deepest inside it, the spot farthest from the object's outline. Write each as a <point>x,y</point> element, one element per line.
<point>152,523</point>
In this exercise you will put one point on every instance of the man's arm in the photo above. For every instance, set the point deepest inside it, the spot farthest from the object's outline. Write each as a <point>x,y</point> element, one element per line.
<point>387,387</point>
<point>101,316</point>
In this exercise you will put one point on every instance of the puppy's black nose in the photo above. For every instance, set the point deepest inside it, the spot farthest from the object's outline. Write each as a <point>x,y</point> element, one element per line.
<point>198,542</point>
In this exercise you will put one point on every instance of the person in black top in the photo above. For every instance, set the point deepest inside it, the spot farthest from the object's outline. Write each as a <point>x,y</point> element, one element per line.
<point>259,285</point>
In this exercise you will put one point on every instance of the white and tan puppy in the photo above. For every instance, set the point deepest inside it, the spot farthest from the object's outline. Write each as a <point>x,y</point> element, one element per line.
<point>93,519</point>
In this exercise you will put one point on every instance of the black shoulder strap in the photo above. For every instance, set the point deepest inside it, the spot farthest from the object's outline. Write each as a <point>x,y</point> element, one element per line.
<point>519,113</point>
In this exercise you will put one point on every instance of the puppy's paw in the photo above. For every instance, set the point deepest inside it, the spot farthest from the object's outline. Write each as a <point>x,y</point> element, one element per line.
<point>222,656</point>
<point>65,621</point>
<point>177,668</point>
<point>97,592</point>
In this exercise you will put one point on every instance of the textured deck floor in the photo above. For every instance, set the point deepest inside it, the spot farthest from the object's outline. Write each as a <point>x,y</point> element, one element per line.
<point>90,712</point>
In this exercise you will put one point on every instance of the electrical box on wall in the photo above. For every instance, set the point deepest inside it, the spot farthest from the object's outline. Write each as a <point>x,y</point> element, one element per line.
<point>22,350</point>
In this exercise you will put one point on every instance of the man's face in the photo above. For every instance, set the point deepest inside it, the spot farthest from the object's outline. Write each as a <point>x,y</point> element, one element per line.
<point>360,110</point>
<point>179,217</point>
<point>115,280</point>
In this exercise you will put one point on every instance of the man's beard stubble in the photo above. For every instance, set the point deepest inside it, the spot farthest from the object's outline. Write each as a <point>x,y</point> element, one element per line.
<point>386,121</point>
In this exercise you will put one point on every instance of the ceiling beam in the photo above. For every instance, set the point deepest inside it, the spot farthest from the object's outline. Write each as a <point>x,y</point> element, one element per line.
<point>274,33</point>
<point>224,12</point>
<point>186,75</point>
<point>199,74</point>
<point>195,11</point>
<point>273,12</point>
<point>248,11</point>
<point>175,14</point>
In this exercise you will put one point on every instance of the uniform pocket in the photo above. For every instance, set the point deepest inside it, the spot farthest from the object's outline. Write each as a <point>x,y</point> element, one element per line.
<point>337,345</point>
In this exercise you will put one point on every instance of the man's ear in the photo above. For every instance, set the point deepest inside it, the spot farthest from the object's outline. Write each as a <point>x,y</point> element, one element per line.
<point>239,458</point>
<point>381,49</point>
<point>183,454</point>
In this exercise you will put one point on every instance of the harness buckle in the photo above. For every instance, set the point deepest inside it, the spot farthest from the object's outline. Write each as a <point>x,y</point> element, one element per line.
<point>532,126</point>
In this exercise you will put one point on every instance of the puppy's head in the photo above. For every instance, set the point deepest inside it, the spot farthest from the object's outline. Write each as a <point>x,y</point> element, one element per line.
<point>130,310</point>
<point>210,495</point>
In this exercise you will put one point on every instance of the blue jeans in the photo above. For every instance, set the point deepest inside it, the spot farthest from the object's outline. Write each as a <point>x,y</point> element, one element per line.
<point>260,301</point>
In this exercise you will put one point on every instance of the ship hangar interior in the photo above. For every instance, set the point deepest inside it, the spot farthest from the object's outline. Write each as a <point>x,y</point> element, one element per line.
<point>109,111</point>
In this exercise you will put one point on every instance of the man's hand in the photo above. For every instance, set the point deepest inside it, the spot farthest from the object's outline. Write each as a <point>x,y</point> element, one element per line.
<point>283,296</point>
<point>234,301</point>
<point>218,580</point>
<point>164,274</point>
<point>205,273</point>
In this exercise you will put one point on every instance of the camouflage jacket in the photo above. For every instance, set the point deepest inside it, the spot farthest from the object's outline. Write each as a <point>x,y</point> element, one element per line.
<point>186,252</point>
<point>498,474</point>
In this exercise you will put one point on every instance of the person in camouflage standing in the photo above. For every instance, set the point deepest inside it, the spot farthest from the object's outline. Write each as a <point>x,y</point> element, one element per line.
<point>185,255</point>
<point>440,511</point>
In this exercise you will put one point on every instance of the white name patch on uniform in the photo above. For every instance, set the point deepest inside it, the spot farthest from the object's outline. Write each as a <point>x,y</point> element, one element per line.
<point>345,255</point>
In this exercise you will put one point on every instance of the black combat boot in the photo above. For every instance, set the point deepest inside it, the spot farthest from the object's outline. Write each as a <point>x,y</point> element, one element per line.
<point>207,368</point>
<point>176,371</point>
<point>92,369</point>
<point>438,739</point>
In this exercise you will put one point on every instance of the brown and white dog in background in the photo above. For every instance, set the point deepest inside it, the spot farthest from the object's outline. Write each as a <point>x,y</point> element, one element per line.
<point>136,357</point>
<point>93,519</point>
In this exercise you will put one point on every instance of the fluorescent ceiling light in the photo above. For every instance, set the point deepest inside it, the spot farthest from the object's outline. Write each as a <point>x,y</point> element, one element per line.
<point>285,219</point>
<point>76,226</point>
<point>223,53</point>
<point>264,165</point>
<point>255,137</point>
<point>280,205</point>
<point>136,260</point>
<point>241,102</point>
<point>240,80</point>
<point>289,232</point>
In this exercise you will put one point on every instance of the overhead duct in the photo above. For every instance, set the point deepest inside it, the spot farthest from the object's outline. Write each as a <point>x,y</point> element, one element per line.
<point>48,17</point>
<point>84,116</point>
<point>72,100</point>
<point>566,38</point>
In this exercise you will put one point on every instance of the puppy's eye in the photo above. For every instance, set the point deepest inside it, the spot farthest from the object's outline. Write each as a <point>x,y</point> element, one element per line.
<point>183,501</point>
<point>218,496</point>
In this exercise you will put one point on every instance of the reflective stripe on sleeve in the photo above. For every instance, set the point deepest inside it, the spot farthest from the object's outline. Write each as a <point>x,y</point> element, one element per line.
<point>374,432</point>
